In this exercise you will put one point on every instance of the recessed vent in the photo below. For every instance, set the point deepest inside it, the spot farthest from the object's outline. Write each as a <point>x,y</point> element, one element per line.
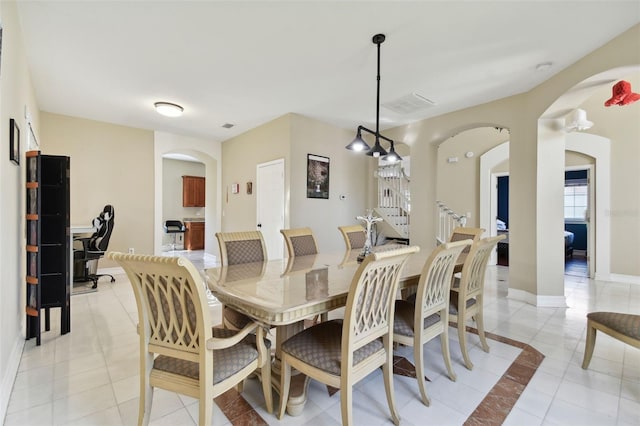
<point>228,125</point>
<point>409,104</point>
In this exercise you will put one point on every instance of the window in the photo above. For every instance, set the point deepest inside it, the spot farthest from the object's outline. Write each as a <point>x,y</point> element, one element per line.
<point>575,200</point>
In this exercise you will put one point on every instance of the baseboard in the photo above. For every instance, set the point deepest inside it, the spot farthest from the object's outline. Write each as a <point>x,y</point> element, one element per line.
<point>619,278</point>
<point>535,300</point>
<point>11,372</point>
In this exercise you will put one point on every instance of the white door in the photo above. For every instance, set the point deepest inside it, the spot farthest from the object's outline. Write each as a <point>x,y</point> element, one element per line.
<point>270,204</point>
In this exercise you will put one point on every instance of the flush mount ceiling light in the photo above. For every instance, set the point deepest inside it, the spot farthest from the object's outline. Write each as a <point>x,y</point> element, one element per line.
<point>168,109</point>
<point>358,144</point>
<point>578,121</point>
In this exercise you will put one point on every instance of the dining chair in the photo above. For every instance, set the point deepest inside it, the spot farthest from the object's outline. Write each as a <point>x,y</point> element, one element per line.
<point>467,293</point>
<point>354,236</point>
<point>179,350</point>
<point>238,248</point>
<point>300,241</point>
<point>466,233</point>
<point>417,323</point>
<point>340,353</point>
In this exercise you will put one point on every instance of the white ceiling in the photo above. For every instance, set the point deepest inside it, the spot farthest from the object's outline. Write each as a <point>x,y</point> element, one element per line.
<point>247,63</point>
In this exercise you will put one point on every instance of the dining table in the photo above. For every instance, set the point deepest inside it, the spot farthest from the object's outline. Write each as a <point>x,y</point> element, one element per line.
<point>283,293</point>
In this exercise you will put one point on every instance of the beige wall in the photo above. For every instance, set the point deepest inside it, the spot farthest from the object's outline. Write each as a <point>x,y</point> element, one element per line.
<point>16,94</point>
<point>242,154</point>
<point>348,176</point>
<point>536,274</point>
<point>110,164</point>
<point>458,182</point>
<point>292,137</point>
<point>172,172</point>
<point>621,124</point>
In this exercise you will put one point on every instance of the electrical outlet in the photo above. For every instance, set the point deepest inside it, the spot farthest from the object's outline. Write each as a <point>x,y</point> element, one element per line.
<point>131,250</point>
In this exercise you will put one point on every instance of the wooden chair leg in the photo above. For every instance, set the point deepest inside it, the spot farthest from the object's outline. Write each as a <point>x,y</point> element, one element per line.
<point>266,385</point>
<point>462,338</point>
<point>387,371</point>
<point>285,382</point>
<point>346,400</point>
<point>589,345</point>
<point>418,359</point>
<point>446,354</point>
<point>479,318</point>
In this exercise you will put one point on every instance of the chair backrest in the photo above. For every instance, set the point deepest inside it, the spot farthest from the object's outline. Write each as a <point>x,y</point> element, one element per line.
<point>172,306</point>
<point>436,276</point>
<point>370,303</point>
<point>475,266</point>
<point>300,241</point>
<point>241,247</point>
<point>466,233</point>
<point>174,226</point>
<point>354,236</point>
<point>99,241</point>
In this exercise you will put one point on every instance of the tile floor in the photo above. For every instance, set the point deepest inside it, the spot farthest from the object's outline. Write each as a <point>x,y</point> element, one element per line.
<point>90,376</point>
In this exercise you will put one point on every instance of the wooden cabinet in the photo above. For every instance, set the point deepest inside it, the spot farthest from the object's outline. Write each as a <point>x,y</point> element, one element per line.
<point>48,259</point>
<point>194,236</point>
<point>193,191</point>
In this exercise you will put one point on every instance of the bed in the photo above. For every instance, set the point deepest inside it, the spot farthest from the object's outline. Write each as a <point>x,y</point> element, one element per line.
<point>568,244</point>
<point>503,246</point>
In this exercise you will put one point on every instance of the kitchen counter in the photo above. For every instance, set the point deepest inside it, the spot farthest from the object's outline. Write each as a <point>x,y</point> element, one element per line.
<point>193,219</point>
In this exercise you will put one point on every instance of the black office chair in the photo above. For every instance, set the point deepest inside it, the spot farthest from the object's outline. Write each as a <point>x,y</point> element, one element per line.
<point>174,227</point>
<point>93,248</point>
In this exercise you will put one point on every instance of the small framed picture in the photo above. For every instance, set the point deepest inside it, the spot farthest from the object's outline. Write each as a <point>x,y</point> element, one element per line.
<point>249,188</point>
<point>14,142</point>
<point>317,176</point>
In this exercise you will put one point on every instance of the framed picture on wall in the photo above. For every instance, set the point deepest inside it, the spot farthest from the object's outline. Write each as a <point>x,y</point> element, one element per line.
<point>14,141</point>
<point>317,176</point>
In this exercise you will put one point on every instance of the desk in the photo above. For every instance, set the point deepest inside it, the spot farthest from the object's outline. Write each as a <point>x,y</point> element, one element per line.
<point>283,293</point>
<point>75,230</point>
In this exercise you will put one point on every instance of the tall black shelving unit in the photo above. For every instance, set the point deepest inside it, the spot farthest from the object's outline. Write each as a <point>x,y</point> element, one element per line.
<point>48,251</point>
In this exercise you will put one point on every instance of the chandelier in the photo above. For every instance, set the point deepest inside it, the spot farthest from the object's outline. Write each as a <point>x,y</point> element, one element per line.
<point>358,144</point>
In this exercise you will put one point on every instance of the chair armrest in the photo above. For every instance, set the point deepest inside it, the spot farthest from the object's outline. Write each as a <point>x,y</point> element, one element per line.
<point>222,343</point>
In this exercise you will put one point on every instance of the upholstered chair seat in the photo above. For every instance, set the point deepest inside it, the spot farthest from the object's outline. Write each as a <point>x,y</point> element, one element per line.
<point>624,327</point>
<point>228,361</point>
<point>404,319</point>
<point>327,356</point>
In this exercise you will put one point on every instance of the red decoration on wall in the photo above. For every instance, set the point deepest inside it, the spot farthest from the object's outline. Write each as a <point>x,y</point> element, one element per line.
<point>622,94</point>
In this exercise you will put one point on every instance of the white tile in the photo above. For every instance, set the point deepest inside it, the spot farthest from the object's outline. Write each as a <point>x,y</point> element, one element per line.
<point>629,412</point>
<point>565,413</point>
<point>593,379</point>
<point>630,390</point>
<point>33,377</point>
<point>591,399</point>
<point>79,365</point>
<point>180,417</point>
<point>40,415</point>
<point>127,389</point>
<point>30,397</point>
<point>80,382</point>
<point>83,404</point>
<point>108,417</point>
<point>518,417</point>
<point>534,401</point>
<point>436,414</point>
